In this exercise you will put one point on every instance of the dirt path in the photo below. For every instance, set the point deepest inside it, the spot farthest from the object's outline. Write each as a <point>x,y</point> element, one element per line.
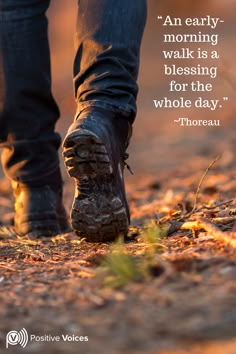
<point>55,286</point>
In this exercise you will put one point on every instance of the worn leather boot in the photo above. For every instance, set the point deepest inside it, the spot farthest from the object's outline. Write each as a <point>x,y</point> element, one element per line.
<point>94,153</point>
<point>39,210</point>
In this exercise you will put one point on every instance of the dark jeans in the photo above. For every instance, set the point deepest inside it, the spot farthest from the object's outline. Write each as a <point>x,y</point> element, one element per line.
<point>108,37</point>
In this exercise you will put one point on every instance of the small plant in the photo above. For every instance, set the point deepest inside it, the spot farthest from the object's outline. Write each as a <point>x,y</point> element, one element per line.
<point>123,268</point>
<point>152,237</point>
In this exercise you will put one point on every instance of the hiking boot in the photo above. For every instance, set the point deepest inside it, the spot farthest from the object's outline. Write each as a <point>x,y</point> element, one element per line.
<point>39,210</point>
<point>94,150</point>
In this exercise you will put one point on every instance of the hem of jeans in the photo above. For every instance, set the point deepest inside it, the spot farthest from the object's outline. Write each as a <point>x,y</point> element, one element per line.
<point>126,111</point>
<point>34,179</point>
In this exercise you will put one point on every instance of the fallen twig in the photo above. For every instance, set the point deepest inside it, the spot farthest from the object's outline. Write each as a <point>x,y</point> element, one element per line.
<point>228,238</point>
<point>7,267</point>
<point>224,220</point>
<point>198,225</point>
<point>215,206</point>
<point>200,184</point>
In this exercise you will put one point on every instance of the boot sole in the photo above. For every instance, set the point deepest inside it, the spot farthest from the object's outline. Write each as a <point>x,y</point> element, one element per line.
<point>98,213</point>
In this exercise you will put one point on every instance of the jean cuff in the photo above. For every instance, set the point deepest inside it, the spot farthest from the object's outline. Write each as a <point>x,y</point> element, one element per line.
<point>126,111</point>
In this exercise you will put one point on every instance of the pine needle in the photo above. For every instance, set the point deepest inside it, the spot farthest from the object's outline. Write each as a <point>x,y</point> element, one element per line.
<point>201,182</point>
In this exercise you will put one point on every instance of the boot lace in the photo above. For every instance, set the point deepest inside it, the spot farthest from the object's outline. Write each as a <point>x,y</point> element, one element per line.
<point>125,157</point>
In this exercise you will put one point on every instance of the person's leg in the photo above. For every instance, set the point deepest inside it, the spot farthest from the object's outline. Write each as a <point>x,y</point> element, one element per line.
<point>107,41</point>
<point>28,114</point>
<point>106,65</point>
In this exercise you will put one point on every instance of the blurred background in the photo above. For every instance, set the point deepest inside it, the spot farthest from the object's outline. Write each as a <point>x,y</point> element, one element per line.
<point>160,145</point>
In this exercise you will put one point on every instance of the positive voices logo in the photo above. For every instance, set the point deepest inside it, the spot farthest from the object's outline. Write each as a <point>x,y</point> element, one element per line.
<point>17,337</point>
<point>22,338</point>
